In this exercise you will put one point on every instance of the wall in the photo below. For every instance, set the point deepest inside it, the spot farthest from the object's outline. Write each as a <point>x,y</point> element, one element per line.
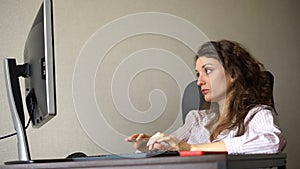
<point>267,28</point>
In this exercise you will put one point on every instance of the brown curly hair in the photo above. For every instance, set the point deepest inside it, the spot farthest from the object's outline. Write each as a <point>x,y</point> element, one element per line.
<point>252,85</point>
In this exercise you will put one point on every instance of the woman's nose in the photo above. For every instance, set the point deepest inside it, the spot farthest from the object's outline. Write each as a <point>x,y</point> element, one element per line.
<point>200,81</point>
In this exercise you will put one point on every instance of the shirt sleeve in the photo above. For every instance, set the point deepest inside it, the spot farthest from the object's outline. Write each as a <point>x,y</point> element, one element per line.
<point>262,135</point>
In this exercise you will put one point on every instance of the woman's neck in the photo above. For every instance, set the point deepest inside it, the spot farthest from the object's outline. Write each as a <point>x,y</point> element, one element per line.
<point>223,108</point>
<point>221,104</point>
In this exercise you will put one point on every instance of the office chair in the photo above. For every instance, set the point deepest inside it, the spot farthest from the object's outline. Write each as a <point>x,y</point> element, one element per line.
<point>269,85</point>
<point>192,99</point>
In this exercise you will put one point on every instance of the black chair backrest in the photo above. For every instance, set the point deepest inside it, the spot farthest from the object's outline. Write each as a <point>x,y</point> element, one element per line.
<point>192,99</point>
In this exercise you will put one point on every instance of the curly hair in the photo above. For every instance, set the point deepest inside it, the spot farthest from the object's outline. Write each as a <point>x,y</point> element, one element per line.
<point>252,86</point>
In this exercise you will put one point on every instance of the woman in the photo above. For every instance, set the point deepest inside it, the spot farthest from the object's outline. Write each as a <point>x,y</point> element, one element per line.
<point>244,120</point>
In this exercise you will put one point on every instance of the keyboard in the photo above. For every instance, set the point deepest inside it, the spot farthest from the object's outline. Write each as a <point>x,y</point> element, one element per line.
<point>127,156</point>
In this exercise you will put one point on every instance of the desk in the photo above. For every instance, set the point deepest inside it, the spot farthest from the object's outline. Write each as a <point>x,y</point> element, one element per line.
<point>218,161</point>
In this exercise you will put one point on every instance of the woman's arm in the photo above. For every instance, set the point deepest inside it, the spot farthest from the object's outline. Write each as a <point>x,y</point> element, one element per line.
<point>161,141</point>
<point>263,135</point>
<point>216,146</point>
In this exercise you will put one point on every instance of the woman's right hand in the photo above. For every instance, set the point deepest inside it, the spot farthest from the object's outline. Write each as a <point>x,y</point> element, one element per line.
<point>139,141</point>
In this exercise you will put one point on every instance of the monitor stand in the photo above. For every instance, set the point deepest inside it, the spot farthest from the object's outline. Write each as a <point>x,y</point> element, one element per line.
<point>12,74</point>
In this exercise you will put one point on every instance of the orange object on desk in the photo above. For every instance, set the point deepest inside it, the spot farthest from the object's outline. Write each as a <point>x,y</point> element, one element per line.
<point>200,153</point>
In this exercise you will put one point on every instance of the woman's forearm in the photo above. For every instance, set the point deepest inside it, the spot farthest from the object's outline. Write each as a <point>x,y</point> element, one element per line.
<point>217,146</point>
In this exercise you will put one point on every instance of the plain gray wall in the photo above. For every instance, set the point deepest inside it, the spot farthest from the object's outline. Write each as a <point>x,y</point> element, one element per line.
<point>269,29</point>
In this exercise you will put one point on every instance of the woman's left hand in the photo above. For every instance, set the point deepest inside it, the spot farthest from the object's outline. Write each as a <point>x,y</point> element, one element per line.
<point>161,141</point>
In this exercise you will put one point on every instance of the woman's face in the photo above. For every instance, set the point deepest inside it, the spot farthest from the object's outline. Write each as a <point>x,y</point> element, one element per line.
<point>212,78</point>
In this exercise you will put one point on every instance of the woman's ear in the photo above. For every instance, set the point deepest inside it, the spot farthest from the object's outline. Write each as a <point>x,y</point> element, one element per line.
<point>230,78</point>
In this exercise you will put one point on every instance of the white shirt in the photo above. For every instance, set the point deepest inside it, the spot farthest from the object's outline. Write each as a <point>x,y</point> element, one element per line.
<point>262,133</point>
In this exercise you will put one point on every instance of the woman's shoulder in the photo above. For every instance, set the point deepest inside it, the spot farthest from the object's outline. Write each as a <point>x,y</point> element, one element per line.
<point>202,112</point>
<point>201,115</point>
<point>195,114</point>
<point>260,110</point>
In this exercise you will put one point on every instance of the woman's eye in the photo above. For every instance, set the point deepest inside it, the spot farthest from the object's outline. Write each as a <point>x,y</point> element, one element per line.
<point>208,71</point>
<point>197,74</point>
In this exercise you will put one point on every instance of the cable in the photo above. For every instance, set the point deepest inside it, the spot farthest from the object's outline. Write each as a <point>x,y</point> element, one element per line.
<point>7,136</point>
<point>15,133</point>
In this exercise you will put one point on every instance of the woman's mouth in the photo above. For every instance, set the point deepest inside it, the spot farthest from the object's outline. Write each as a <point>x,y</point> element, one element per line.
<point>204,91</point>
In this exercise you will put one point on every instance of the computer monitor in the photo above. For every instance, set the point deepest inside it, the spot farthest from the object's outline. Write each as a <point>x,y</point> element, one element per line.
<point>39,54</point>
<point>39,73</point>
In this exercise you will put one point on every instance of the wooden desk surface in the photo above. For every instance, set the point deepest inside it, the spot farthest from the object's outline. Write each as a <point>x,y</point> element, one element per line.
<point>220,161</point>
